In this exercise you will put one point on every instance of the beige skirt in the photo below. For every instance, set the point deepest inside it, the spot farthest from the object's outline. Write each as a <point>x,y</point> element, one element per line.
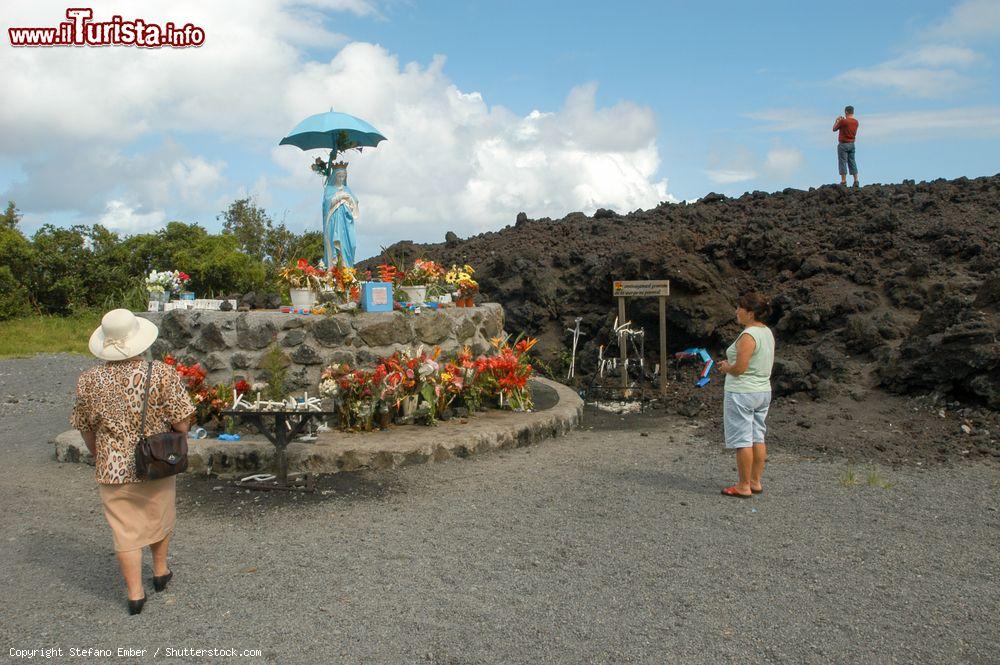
<point>140,513</point>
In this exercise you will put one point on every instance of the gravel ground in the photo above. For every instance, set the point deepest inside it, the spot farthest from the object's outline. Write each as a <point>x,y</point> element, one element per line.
<point>609,545</point>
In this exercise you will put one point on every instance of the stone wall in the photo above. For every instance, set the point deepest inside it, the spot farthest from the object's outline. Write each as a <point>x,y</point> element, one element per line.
<point>233,344</point>
<point>335,451</point>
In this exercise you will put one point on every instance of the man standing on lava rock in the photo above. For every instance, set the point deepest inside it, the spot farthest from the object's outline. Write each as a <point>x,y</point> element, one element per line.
<point>848,128</point>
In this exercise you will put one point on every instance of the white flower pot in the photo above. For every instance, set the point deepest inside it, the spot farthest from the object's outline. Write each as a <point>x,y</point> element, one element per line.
<point>302,297</point>
<point>414,293</point>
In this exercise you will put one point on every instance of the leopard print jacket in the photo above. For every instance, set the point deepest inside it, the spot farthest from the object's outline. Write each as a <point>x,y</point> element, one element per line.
<point>109,402</point>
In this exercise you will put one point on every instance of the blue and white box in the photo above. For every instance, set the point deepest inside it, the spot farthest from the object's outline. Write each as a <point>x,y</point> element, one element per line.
<point>376,297</point>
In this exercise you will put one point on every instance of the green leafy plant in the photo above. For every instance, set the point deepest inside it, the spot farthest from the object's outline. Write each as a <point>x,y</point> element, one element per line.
<point>275,367</point>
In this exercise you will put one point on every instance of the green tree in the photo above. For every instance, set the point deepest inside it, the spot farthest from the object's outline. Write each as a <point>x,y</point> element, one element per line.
<point>16,251</point>
<point>10,217</point>
<point>13,295</point>
<point>217,266</point>
<point>61,270</point>
<point>250,225</point>
<point>16,261</point>
<point>308,246</point>
<point>58,280</point>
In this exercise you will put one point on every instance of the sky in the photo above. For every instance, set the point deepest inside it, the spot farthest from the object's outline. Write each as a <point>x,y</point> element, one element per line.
<point>490,108</point>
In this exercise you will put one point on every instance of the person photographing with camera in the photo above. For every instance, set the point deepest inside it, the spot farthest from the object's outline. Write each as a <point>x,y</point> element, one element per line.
<point>847,126</point>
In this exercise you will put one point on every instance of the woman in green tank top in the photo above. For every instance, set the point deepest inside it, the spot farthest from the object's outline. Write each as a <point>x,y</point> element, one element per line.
<point>748,394</point>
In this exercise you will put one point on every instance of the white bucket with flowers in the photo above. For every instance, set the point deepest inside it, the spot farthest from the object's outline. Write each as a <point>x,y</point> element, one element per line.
<point>304,282</point>
<point>161,283</point>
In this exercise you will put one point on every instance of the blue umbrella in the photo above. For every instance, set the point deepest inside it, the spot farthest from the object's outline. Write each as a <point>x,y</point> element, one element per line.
<point>333,131</point>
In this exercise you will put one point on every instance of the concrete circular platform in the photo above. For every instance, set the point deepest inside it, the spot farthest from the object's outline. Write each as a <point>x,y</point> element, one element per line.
<point>558,411</point>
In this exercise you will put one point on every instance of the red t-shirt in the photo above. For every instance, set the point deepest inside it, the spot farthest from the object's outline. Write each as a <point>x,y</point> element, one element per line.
<point>848,129</point>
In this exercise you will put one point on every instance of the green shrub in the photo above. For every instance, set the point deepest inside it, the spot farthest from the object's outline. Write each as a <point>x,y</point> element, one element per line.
<point>13,296</point>
<point>66,270</point>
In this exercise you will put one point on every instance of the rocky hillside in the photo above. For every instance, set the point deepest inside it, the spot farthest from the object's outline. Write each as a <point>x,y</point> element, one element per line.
<point>893,287</point>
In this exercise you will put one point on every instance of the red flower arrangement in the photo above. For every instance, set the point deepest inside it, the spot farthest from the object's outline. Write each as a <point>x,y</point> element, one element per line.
<point>301,275</point>
<point>209,401</point>
<point>405,377</point>
<point>506,373</point>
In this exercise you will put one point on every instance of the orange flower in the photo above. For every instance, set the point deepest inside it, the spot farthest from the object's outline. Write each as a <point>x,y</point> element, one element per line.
<point>525,345</point>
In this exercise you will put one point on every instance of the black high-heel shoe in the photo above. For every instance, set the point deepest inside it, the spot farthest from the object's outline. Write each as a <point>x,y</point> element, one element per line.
<point>135,606</point>
<point>160,583</point>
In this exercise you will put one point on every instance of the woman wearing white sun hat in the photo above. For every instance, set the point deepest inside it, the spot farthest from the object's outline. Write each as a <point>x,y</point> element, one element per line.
<point>108,409</point>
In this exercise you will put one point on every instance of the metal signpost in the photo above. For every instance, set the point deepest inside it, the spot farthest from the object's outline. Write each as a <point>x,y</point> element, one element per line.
<point>659,288</point>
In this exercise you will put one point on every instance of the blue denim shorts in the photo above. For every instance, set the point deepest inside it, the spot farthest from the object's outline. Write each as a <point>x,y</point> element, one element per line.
<point>744,417</point>
<point>845,159</point>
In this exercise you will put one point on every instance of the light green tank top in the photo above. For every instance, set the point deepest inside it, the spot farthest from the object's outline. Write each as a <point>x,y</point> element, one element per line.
<point>757,378</point>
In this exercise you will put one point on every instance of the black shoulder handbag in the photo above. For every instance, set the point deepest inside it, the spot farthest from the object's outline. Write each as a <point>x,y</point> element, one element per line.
<point>160,455</point>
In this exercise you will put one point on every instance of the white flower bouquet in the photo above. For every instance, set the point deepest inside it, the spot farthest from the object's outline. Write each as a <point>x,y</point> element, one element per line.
<point>166,281</point>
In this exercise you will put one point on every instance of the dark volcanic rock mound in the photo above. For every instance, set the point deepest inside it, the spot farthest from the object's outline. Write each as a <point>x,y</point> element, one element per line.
<point>893,286</point>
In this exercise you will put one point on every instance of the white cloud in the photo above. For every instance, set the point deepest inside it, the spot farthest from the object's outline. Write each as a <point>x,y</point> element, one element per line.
<point>980,122</point>
<point>727,176</point>
<point>124,218</point>
<point>974,19</point>
<point>731,162</point>
<point>783,162</point>
<point>84,176</point>
<point>930,70</point>
<point>969,122</point>
<point>914,81</point>
<point>194,175</point>
<point>939,56</point>
<point>933,69</point>
<point>453,160</point>
<point>791,119</point>
<point>927,71</point>
<point>115,94</point>
<point>741,165</point>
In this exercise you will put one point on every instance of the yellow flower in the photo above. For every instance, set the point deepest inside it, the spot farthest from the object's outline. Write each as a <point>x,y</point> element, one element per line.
<point>445,376</point>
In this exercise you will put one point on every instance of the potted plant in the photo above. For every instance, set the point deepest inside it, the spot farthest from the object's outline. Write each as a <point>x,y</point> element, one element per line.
<point>459,278</point>
<point>505,373</point>
<point>354,394</point>
<point>160,284</point>
<point>467,289</point>
<point>303,281</point>
<point>414,282</point>
<point>405,374</point>
<point>438,292</point>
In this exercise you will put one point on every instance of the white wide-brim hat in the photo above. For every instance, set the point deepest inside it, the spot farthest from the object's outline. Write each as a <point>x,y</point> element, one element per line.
<point>122,335</point>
